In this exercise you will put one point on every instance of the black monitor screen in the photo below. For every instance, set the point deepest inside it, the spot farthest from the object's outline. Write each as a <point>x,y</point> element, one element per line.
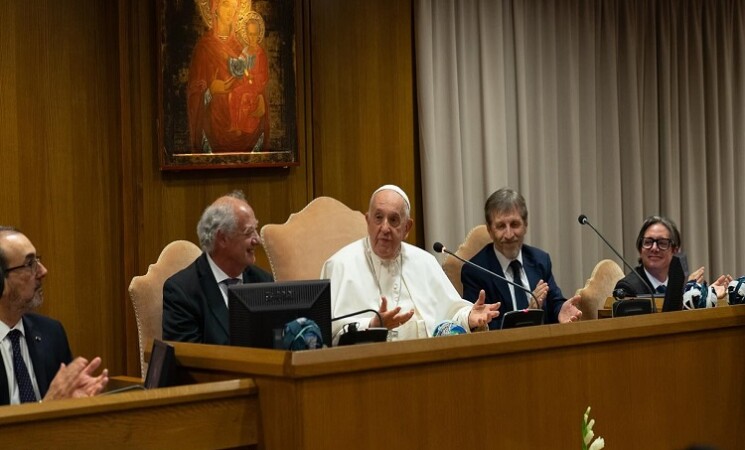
<point>260,311</point>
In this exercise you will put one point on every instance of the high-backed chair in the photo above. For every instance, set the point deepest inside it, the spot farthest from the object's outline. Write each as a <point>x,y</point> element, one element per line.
<point>146,292</point>
<point>476,240</point>
<point>598,288</point>
<point>298,248</point>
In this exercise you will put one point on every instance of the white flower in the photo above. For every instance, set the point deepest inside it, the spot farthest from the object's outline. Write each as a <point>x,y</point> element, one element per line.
<point>589,433</point>
<point>598,444</point>
<point>587,425</point>
<point>588,436</point>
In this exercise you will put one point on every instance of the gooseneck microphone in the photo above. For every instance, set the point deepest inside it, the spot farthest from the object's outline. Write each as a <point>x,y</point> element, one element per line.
<point>439,248</point>
<point>582,219</point>
<point>356,313</point>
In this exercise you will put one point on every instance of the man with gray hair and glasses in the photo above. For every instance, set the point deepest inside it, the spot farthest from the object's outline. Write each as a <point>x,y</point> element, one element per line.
<point>195,300</point>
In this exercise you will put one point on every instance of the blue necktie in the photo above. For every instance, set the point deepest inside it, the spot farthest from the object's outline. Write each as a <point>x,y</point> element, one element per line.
<point>521,300</point>
<point>25,387</point>
<point>661,289</point>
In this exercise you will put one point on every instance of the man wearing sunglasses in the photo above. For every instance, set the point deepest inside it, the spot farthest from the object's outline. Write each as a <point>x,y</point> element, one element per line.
<point>36,362</point>
<point>657,243</point>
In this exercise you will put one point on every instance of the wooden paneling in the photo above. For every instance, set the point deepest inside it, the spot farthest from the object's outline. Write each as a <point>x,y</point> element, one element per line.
<point>209,415</point>
<point>364,131</point>
<point>60,134</point>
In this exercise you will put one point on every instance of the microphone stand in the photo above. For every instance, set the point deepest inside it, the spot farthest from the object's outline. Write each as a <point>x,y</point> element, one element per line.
<point>439,248</point>
<point>517,318</point>
<point>345,316</point>
<point>582,219</point>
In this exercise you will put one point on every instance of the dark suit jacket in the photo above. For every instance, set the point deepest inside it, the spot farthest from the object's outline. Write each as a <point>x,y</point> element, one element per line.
<point>632,285</point>
<point>48,348</point>
<point>193,307</point>
<point>537,265</point>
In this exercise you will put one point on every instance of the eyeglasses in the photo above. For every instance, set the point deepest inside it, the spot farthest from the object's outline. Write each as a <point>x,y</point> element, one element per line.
<point>32,264</point>
<point>662,244</point>
<point>251,232</point>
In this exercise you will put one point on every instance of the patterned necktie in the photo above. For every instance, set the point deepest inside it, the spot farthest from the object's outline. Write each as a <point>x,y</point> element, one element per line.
<point>521,300</point>
<point>25,387</point>
<point>661,289</point>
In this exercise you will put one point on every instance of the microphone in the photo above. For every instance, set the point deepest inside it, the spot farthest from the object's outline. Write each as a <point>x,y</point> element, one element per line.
<point>448,328</point>
<point>582,219</point>
<point>354,336</point>
<point>439,248</point>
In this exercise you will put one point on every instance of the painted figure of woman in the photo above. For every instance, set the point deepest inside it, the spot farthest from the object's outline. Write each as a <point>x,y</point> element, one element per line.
<point>213,86</point>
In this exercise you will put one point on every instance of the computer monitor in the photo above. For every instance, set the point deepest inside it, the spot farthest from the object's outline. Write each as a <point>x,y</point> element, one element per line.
<point>260,311</point>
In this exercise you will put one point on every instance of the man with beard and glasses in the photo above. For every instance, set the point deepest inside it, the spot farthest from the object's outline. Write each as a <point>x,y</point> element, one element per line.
<point>36,357</point>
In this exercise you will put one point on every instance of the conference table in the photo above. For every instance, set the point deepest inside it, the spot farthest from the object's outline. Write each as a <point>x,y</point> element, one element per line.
<point>658,381</point>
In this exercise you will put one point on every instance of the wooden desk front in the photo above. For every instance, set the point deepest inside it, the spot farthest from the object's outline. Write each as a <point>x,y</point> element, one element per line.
<point>660,381</point>
<point>209,415</point>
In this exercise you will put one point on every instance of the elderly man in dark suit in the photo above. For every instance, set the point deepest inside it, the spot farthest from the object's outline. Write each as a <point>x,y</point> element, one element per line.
<point>195,300</point>
<point>506,217</point>
<point>35,354</point>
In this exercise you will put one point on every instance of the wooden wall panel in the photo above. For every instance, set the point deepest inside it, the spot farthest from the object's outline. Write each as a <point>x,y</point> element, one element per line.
<point>60,133</point>
<point>364,128</point>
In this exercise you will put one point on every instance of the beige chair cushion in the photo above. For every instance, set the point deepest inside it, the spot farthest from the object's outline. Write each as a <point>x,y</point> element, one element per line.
<point>598,288</point>
<point>475,241</point>
<point>298,248</point>
<point>146,292</point>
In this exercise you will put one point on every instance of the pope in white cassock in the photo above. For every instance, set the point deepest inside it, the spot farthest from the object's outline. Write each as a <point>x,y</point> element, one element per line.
<point>404,283</point>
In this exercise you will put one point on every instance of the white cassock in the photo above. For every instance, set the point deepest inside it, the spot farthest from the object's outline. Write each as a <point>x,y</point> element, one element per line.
<point>413,280</point>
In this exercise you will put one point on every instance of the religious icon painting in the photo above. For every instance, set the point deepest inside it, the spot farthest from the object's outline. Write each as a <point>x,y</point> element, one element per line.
<point>227,95</point>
